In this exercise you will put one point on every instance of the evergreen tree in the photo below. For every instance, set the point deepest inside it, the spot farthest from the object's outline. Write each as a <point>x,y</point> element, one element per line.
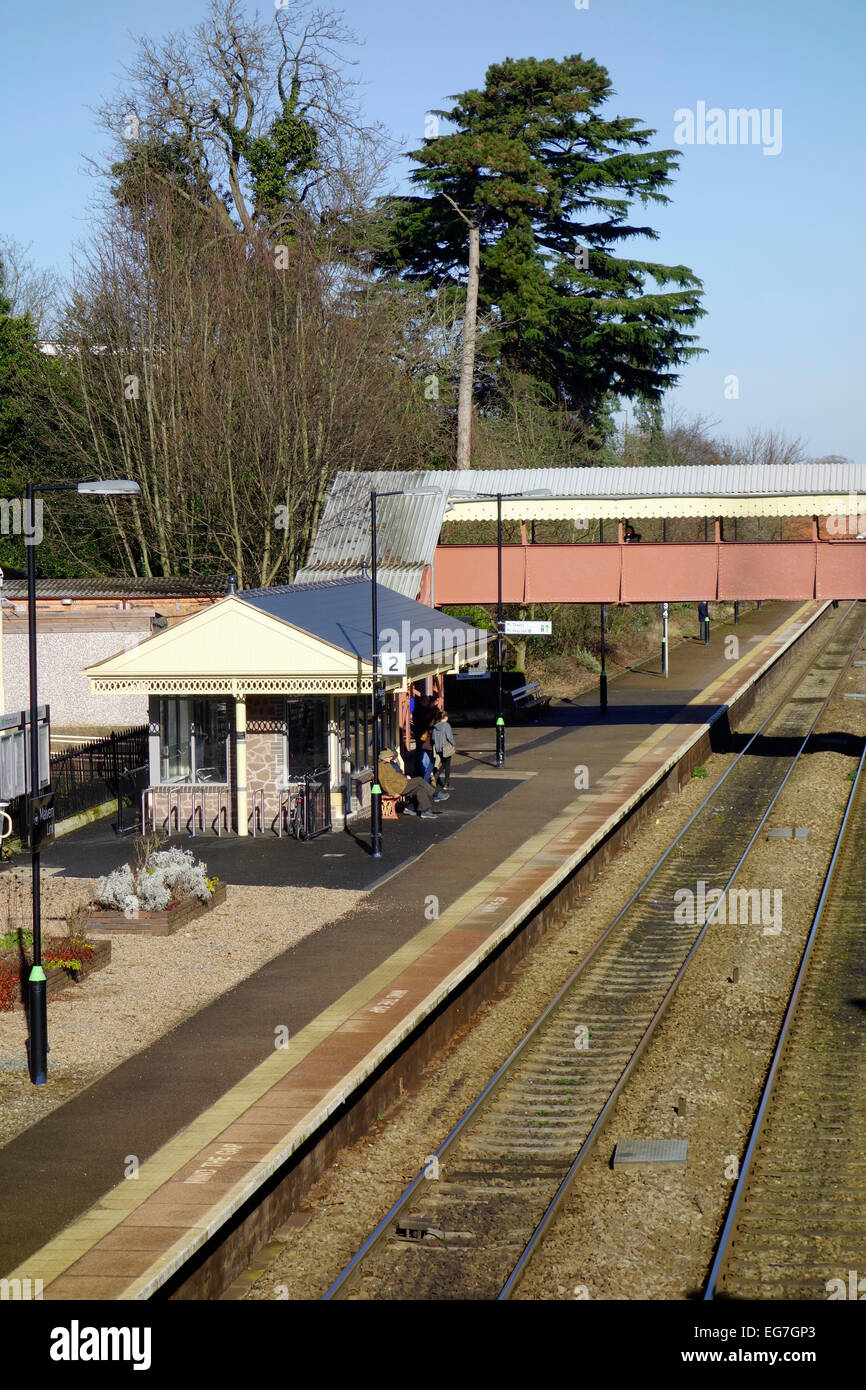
<point>549,181</point>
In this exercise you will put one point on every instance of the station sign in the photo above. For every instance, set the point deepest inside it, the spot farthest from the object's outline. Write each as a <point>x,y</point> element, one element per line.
<point>15,752</point>
<point>392,663</point>
<point>41,819</point>
<point>528,629</point>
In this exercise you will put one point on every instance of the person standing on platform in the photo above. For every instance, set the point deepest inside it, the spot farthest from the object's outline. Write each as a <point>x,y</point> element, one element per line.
<point>443,749</point>
<point>424,718</point>
<point>704,622</point>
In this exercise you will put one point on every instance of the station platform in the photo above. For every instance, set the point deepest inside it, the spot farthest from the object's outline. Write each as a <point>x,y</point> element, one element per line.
<point>213,1110</point>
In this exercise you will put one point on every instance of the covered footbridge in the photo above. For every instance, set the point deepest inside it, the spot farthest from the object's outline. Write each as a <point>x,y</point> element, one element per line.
<point>823,507</point>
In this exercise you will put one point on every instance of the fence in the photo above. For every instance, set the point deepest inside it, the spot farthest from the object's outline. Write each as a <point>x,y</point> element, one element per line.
<point>84,777</point>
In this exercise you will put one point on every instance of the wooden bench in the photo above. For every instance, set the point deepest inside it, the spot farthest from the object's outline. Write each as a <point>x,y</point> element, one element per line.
<point>527,702</point>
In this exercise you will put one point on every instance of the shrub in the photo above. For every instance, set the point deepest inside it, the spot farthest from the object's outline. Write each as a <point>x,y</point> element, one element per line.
<point>66,955</point>
<point>76,917</point>
<point>586,659</point>
<point>164,877</point>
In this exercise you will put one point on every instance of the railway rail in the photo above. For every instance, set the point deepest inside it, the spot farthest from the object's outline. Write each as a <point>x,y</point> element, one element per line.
<point>796,1225</point>
<point>468,1224</point>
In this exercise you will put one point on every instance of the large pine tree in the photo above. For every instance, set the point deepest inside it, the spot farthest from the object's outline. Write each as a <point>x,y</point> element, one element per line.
<point>550,181</point>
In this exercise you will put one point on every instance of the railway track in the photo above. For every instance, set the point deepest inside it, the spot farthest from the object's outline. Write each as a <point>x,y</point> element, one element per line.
<point>796,1226</point>
<point>469,1223</point>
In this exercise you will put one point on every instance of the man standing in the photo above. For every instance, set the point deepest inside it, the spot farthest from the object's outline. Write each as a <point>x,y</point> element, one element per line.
<point>394,783</point>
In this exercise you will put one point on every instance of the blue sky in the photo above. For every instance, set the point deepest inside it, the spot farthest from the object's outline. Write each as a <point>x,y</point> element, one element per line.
<point>775,238</point>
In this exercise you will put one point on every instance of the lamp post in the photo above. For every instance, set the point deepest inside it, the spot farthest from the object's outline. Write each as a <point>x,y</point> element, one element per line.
<point>500,496</point>
<point>602,679</point>
<point>37,1012</point>
<point>376,790</point>
<point>500,719</point>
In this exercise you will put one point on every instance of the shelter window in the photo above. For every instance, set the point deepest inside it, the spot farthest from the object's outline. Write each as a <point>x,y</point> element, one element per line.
<point>193,740</point>
<point>356,729</point>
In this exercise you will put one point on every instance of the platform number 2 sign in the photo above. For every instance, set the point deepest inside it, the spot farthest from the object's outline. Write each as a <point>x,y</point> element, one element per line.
<point>393,663</point>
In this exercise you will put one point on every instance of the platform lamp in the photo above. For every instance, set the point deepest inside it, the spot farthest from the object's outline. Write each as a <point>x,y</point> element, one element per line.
<point>376,790</point>
<point>499,498</point>
<point>37,1013</point>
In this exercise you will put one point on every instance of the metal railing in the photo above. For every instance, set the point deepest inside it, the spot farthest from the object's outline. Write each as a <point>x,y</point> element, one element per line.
<point>84,777</point>
<point>186,804</point>
<point>305,805</point>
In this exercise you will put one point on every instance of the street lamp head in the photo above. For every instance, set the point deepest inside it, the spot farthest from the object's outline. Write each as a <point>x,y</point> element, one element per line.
<point>409,492</point>
<point>109,487</point>
<point>456,498</point>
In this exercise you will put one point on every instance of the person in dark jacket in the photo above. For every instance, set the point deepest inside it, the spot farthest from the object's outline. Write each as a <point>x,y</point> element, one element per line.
<point>423,715</point>
<point>443,748</point>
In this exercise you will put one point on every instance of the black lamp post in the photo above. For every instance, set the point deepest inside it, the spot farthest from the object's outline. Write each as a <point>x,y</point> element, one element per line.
<point>500,718</point>
<point>37,1012</point>
<point>602,680</point>
<point>376,790</point>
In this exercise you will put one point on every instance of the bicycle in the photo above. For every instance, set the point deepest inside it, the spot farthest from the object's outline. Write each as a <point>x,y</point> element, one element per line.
<point>298,815</point>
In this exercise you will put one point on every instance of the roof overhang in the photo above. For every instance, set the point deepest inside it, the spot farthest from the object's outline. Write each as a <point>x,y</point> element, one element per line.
<point>235,649</point>
<point>583,510</point>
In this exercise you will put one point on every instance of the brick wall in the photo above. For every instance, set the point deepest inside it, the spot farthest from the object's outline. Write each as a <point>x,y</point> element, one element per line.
<point>266,751</point>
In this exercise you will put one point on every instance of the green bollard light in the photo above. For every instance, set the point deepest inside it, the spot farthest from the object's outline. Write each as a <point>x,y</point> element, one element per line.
<point>500,742</point>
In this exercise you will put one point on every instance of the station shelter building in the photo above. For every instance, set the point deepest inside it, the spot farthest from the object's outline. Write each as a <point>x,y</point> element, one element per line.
<point>267,685</point>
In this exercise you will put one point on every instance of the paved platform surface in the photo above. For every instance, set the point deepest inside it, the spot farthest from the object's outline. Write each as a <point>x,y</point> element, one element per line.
<point>339,859</point>
<point>213,1108</point>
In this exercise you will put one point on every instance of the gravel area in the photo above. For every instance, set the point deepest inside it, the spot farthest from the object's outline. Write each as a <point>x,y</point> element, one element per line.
<point>151,984</point>
<point>652,1234</point>
<point>348,1201</point>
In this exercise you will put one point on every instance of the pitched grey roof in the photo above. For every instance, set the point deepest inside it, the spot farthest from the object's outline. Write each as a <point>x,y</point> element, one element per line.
<point>340,612</point>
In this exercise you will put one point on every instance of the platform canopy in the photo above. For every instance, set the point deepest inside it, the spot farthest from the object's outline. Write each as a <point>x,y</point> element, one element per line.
<point>308,639</point>
<point>410,527</point>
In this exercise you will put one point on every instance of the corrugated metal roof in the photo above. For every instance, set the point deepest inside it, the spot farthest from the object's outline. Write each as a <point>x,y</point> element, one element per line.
<point>116,588</point>
<point>409,527</point>
<point>340,612</point>
<point>708,480</point>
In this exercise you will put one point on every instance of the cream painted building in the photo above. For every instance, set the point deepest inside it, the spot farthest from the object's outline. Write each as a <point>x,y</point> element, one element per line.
<point>248,695</point>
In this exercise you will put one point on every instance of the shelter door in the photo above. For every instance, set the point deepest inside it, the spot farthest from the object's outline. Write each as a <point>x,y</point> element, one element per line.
<point>307,719</point>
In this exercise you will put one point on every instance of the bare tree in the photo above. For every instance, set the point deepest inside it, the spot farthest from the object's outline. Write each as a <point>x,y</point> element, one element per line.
<point>250,118</point>
<point>31,290</point>
<point>232,384</point>
<point>766,448</point>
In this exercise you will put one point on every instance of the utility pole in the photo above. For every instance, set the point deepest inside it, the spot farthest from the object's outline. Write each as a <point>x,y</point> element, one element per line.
<point>500,720</point>
<point>375,790</point>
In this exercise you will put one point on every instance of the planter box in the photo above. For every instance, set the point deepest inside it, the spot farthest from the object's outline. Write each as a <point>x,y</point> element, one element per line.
<point>164,923</point>
<point>58,979</point>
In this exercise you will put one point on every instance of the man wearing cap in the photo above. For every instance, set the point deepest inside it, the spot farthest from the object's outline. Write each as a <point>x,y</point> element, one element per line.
<point>395,783</point>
